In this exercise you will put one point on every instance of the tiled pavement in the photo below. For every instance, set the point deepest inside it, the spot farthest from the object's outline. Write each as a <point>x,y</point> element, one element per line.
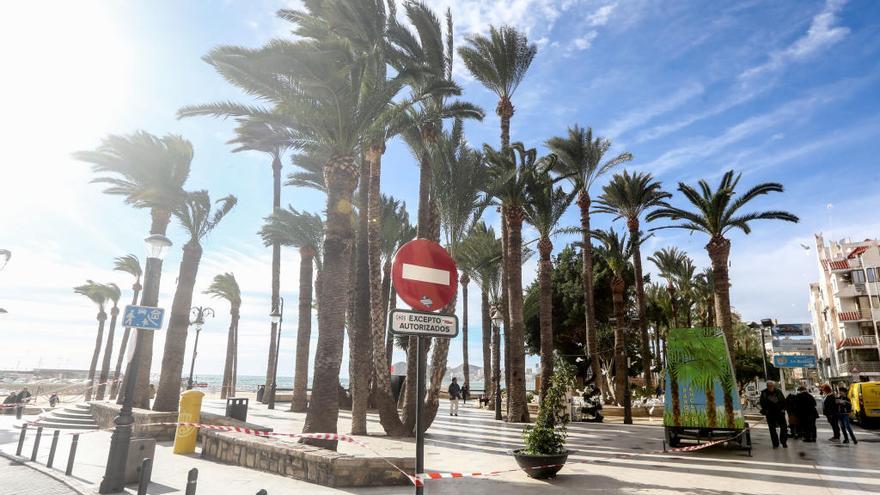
<point>18,479</point>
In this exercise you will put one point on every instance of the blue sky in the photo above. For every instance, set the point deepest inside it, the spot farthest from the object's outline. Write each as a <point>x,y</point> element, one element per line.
<point>782,91</point>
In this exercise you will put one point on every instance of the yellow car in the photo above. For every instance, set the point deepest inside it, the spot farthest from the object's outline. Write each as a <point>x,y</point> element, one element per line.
<point>865,399</point>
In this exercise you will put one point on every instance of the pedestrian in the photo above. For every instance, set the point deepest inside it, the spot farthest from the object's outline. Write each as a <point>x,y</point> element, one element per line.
<point>53,400</point>
<point>658,391</point>
<point>794,421</point>
<point>9,402</point>
<point>454,396</point>
<point>807,414</point>
<point>465,394</point>
<point>829,410</point>
<point>773,408</point>
<point>152,391</point>
<point>844,407</point>
<point>24,396</point>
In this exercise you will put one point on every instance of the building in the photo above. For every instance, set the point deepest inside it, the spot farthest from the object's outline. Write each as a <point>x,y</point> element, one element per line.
<point>845,306</point>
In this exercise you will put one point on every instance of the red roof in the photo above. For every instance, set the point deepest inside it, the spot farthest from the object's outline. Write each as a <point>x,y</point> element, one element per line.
<point>857,251</point>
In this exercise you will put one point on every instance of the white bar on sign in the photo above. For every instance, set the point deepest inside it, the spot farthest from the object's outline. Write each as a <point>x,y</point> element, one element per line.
<point>425,274</point>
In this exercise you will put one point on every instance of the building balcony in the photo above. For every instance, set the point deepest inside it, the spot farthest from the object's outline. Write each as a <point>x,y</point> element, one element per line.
<point>853,316</point>
<point>856,290</point>
<point>841,264</point>
<point>858,368</point>
<point>857,342</point>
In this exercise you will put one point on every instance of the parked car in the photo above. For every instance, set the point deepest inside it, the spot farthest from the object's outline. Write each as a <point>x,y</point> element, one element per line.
<point>865,399</point>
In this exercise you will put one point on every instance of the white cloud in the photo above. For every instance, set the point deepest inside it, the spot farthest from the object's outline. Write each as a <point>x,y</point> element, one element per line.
<point>601,16</point>
<point>585,41</point>
<point>646,113</point>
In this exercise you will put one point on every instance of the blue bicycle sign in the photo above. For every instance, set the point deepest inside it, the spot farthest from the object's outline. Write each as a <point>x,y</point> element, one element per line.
<point>143,317</point>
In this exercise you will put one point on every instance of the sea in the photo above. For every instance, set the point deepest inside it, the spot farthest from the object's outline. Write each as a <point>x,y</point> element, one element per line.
<point>252,382</point>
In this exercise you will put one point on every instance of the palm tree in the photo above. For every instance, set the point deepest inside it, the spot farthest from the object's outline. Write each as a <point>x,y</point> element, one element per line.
<point>617,250</point>
<point>98,295</point>
<point>668,261</point>
<point>395,232</point>
<point>717,212</point>
<point>500,62</point>
<point>459,181</point>
<point>629,196</point>
<point>545,206</point>
<point>510,170</point>
<point>684,282</point>
<point>113,294</point>
<point>132,266</point>
<point>704,290</point>
<point>581,159</point>
<point>198,219</point>
<point>303,231</point>
<point>149,172</point>
<point>224,286</point>
<point>658,310</point>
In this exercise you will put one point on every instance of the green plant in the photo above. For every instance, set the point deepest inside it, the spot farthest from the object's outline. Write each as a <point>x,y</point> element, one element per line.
<point>547,436</point>
<point>530,396</point>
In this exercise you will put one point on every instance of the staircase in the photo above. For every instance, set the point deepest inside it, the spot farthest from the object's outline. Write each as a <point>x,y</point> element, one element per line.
<point>73,417</point>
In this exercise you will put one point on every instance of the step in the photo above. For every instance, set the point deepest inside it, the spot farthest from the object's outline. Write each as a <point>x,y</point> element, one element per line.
<point>67,413</point>
<point>84,407</point>
<point>69,421</point>
<point>63,426</point>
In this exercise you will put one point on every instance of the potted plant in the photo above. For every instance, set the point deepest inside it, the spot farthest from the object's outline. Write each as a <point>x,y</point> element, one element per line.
<point>544,452</point>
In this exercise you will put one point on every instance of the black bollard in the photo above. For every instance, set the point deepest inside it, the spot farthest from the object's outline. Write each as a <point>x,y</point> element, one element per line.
<point>21,439</point>
<point>52,448</point>
<point>36,443</point>
<point>263,492</point>
<point>192,479</point>
<point>72,455</point>
<point>18,411</point>
<point>146,474</point>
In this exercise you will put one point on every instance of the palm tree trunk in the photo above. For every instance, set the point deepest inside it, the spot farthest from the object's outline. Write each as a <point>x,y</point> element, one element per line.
<point>505,304</point>
<point>114,389</point>
<point>168,392</point>
<point>676,400</point>
<point>439,354</point>
<point>466,369</point>
<point>300,400</point>
<point>487,345</point>
<point>711,408</point>
<point>519,411</point>
<point>672,302</point>
<point>728,403</point>
<point>620,368</point>
<point>505,113</point>
<point>496,364</point>
<point>108,353</point>
<point>102,317</point>
<point>235,317</point>
<point>587,279</point>
<point>719,252</point>
<point>226,390</point>
<point>340,175</point>
<point>545,269</point>
<point>276,279</point>
<point>388,303</point>
<point>360,349</point>
<point>640,301</point>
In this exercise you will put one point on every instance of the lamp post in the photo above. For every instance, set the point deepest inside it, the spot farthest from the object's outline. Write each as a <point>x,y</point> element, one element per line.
<point>198,314</point>
<point>497,321</point>
<point>760,328</point>
<point>277,316</point>
<point>157,246</point>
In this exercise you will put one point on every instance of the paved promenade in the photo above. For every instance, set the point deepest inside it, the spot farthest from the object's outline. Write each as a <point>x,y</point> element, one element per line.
<point>474,441</point>
<point>19,479</point>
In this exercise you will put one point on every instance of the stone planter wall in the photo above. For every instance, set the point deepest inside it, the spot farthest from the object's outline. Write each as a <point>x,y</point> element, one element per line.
<point>145,421</point>
<point>303,462</point>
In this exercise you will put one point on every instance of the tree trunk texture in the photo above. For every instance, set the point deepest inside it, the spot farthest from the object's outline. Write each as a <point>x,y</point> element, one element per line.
<point>274,336</point>
<point>640,302</point>
<point>340,176</point>
<point>102,317</point>
<point>360,350</point>
<point>227,389</point>
<point>620,368</point>
<point>389,337</point>
<point>496,363</point>
<point>466,368</point>
<point>711,408</point>
<point>114,388</point>
<point>671,290</point>
<point>545,285</point>
<point>108,353</point>
<point>168,392</point>
<point>505,304</point>
<point>486,318</point>
<point>719,252</point>
<point>519,411</point>
<point>439,355</point>
<point>587,279</point>
<point>505,113</point>
<point>300,400</point>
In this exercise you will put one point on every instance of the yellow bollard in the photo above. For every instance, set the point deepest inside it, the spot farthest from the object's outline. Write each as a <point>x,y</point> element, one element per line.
<point>189,412</point>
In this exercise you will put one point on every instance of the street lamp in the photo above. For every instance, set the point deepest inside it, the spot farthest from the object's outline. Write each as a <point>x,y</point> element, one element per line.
<point>760,327</point>
<point>157,246</point>
<point>497,321</point>
<point>277,316</point>
<point>198,314</point>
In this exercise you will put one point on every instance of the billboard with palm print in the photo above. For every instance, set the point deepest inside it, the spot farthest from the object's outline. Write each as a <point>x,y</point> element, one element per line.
<point>700,385</point>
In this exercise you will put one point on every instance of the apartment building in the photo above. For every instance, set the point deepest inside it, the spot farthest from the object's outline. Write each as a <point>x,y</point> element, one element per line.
<point>845,307</point>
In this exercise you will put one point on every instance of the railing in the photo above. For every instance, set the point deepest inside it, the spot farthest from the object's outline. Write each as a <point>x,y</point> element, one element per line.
<point>859,367</point>
<point>858,315</point>
<point>860,341</point>
<point>841,264</point>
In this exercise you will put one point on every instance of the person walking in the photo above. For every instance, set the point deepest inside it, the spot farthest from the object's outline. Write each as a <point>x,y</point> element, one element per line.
<point>844,407</point>
<point>454,396</point>
<point>773,408</point>
<point>465,394</point>
<point>829,410</point>
<point>805,406</point>
<point>794,420</point>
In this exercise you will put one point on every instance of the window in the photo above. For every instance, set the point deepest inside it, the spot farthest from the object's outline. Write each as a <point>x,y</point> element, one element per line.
<point>871,277</point>
<point>858,277</point>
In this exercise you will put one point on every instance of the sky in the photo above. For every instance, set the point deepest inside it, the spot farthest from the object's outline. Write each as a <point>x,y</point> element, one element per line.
<point>782,91</point>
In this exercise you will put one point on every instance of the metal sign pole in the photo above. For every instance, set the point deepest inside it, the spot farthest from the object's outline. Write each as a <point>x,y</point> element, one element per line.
<point>420,394</point>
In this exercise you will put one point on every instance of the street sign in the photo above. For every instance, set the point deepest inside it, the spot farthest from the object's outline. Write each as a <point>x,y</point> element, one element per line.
<point>793,345</point>
<point>422,324</point>
<point>799,361</point>
<point>424,275</point>
<point>143,317</point>
<point>792,330</point>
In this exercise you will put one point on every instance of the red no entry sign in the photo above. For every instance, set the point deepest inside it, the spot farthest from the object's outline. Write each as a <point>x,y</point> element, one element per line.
<point>424,275</point>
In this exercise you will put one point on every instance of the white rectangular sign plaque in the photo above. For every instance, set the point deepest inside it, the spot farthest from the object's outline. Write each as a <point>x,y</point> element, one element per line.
<point>419,323</point>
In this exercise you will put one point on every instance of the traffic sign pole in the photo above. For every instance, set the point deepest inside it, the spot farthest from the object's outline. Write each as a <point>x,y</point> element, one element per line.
<point>420,393</point>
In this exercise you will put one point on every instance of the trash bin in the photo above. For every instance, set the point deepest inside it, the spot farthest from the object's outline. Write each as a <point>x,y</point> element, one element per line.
<point>261,390</point>
<point>190,411</point>
<point>237,408</point>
